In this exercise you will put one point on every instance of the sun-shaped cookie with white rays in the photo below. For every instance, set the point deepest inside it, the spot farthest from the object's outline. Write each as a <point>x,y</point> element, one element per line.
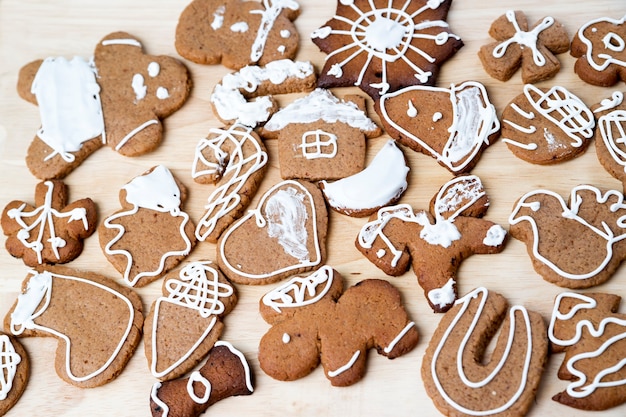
<point>383,45</point>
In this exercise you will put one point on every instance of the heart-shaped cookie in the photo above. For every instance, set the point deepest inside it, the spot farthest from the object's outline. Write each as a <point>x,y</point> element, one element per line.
<point>283,236</point>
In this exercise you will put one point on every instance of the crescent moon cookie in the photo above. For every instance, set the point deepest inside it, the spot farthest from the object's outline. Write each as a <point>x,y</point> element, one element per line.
<point>574,244</point>
<point>118,98</point>
<point>96,321</point>
<point>283,236</point>
<point>518,46</point>
<point>600,46</point>
<point>453,125</point>
<point>151,234</point>
<point>459,375</point>
<point>15,371</point>
<point>547,126</point>
<point>384,45</point>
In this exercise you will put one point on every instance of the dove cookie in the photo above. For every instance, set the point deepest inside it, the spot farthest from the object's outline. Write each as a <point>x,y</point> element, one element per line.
<point>599,48</point>
<point>52,231</point>
<point>117,99</point>
<point>384,45</point>
<point>463,379</point>
<point>151,234</point>
<point>15,371</point>
<point>592,334</point>
<point>314,320</point>
<point>237,33</point>
<point>574,244</point>
<point>434,241</point>
<point>517,45</point>
<point>283,236</point>
<point>452,125</point>
<point>185,322</point>
<point>547,126</point>
<point>96,321</point>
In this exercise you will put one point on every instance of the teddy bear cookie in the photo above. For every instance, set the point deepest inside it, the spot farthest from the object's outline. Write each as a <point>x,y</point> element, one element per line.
<point>610,133</point>
<point>547,126</point>
<point>235,160</point>
<point>436,241</point>
<point>238,33</point>
<point>283,236</point>
<point>97,322</point>
<point>314,320</point>
<point>517,45</point>
<point>226,373</point>
<point>321,136</point>
<point>53,230</point>
<point>185,322</point>
<point>384,45</point>
<point>15,371</point>
<point>118,99</point>
<point>463,379</point>
<point>151,234</point>
<point>599,47</point>
<point>574,244</point>
<point>453,125</point>
<point>591,333</point>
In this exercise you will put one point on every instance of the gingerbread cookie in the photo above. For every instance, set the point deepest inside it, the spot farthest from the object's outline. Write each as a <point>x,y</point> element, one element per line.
<point>610,133</point>
<point>96,321</point>
<point>547,126</point>
<point>230,97</point>
<point>118,99</point>
<point>577,244</point>
<point>234,159</point>
<point>185,322</point>
<point>314,320</point>
<point>283,236</point>
<point>588,328</point>
<point>384,45</point>
<point>380,184</point>
<point>437,241</point>
<point>321,136</point>
<point>238,33</point>
<point>453,125</point>
<point>150,234</point>
<point>15,371</point>
<point>463,379</point>
<point>599,47</point>
<point>52,231</point>
<point>516,46</point>
<point>225,374</point>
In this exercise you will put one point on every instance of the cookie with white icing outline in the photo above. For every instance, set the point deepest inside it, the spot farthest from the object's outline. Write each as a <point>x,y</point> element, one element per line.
<point>15,371</point>
<point>237,33</point>
<point>96,321</point>
<point>321,136</point>
<point>517,46</point>
<point>52,231</point>
<point>151,234</point>
<point>463,379</point>
<point>452,125</point>
<point>315,321</point>
<point>434,241</point>
<point>384,45</point>
<point>610,134</point>
<point>117,99</point>
<point>547,126</point>
<point>186,321</point>
<point>577,243</point>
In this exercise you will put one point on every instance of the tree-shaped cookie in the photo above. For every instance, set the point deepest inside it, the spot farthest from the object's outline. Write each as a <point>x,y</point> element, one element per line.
<point>313,320</point>
<point>52,231</point>
<point>434,241</point>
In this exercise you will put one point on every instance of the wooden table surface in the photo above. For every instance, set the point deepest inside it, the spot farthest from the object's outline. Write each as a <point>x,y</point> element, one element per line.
<point>39,28</point>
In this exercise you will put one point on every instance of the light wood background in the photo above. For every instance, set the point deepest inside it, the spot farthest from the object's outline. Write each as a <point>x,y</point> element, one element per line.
<point>39,28</point>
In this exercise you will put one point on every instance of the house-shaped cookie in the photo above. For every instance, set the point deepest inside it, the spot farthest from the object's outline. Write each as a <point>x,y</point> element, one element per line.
<point>321,136</point>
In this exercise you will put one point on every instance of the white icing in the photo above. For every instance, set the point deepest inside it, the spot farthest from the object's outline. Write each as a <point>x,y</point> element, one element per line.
<point>154,69</point>
<point>321,33</point>
<point>9,359</point>
<point>162,93</point>
<point>285,33</point>
<point>68,97</point>
<point>244,363</point>
<point>474,119</point>
<point>323,144</point>
<point>273,9</point>
<point>527,146</point>
<point>239,27</point>
<point>40,289</point>
<point>286,338</point>
<point>600,60</point>
<point>154,396</point>
<point>133,132</point>
<point>127,42</point>
<point>139,87</point>
<point>443,296</point>
<point>495,236</point>
<point>608,103</point>
<point>233,165</point>
<point>286,216</point>
<point>294,292</point>
<point>525,39</point>
<point>411,111</point>
<point>437,116</point>
<point>345,367</point>
<point>380,253</point>
<point>612,128</point>
<point>384,180</point>
<point>197,377</point>
<point>218,17</point>
<point>399,337</point>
